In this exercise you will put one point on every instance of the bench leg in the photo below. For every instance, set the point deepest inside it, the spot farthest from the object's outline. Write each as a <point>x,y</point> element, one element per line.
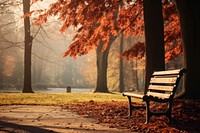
<point>148,113</point>
<point>130,106</point>
<point>168,113</point>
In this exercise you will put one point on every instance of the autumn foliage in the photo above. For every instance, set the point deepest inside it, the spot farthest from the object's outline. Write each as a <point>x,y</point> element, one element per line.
<point>185,116</point>
<point>96,21</point>
<point>172,35</point>
<point>172,32</point>
<point>136,51</point>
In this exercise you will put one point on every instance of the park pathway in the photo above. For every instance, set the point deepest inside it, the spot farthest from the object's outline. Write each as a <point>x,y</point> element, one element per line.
<point>48,119</point>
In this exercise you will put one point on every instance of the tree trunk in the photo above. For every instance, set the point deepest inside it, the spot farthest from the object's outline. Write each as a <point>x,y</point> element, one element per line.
<point>154,37</point>
<point>121,67</point>
<point>189,13</point>
<point>27,52</point>
<point>102,65</point>
<point>1,71</point>
<point>136,75</point>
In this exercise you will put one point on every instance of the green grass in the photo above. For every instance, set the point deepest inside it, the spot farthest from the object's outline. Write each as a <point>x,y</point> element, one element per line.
<point>56,98</point>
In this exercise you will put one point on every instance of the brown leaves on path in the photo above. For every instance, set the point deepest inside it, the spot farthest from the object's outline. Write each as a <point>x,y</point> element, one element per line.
<point>185,114</point>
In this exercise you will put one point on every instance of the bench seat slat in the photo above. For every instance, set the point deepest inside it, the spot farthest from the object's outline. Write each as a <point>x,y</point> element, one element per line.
<point>165,80</point>
<point>161,87</point>
<point>168,72</point>
<point>158,95</point>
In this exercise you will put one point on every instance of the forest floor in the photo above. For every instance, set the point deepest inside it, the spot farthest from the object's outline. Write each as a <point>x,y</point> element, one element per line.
<point>185,114</point>
<point>97,117</point>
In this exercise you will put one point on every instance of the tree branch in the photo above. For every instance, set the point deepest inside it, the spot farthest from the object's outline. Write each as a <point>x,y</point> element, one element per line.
<point>140,11</point>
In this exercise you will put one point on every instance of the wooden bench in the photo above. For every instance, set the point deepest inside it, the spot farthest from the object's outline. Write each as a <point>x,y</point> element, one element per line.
<point>161,89</point>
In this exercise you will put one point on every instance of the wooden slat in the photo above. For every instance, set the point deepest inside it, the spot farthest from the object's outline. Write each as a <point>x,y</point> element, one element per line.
<point>159,95</point>
<point>133,94</point>
<point>161,87</point>
<point>168,72</point>
<point>157,80</point>
<point>165,76</point>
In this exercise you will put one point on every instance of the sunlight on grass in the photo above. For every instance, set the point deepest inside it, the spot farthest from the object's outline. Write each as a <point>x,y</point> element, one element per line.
<point>57,98</point>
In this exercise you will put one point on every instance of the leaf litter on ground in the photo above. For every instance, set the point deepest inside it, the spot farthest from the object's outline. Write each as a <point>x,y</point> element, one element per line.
<point>185,115</point>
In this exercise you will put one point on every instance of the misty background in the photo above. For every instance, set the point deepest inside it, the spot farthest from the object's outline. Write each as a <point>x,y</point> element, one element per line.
<point>49,68</point>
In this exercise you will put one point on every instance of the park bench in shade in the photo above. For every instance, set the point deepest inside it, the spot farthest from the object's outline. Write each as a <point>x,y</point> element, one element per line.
<point>161,89</point>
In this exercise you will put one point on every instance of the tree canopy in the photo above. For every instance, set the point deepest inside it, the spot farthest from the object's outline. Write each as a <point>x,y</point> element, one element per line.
<point>94,22</point>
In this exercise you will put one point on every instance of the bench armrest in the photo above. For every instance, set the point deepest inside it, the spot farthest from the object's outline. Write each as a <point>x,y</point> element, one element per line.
<point>131,94</point>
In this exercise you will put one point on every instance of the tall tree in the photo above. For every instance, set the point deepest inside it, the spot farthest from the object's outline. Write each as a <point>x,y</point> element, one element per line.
<point>189,13</point>
<point>154,37</point>
<point>102,57</point>
<point>121,65</point>
<point>27,88</point>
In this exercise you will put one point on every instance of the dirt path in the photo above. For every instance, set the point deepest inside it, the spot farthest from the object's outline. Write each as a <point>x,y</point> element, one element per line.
<point>47,119</point>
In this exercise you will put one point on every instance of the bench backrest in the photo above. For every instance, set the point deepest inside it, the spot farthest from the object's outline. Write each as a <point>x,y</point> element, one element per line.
<point>163,84</point>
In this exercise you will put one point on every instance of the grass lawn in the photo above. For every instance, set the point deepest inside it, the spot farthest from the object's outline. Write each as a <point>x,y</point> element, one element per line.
<point>56,98</point>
